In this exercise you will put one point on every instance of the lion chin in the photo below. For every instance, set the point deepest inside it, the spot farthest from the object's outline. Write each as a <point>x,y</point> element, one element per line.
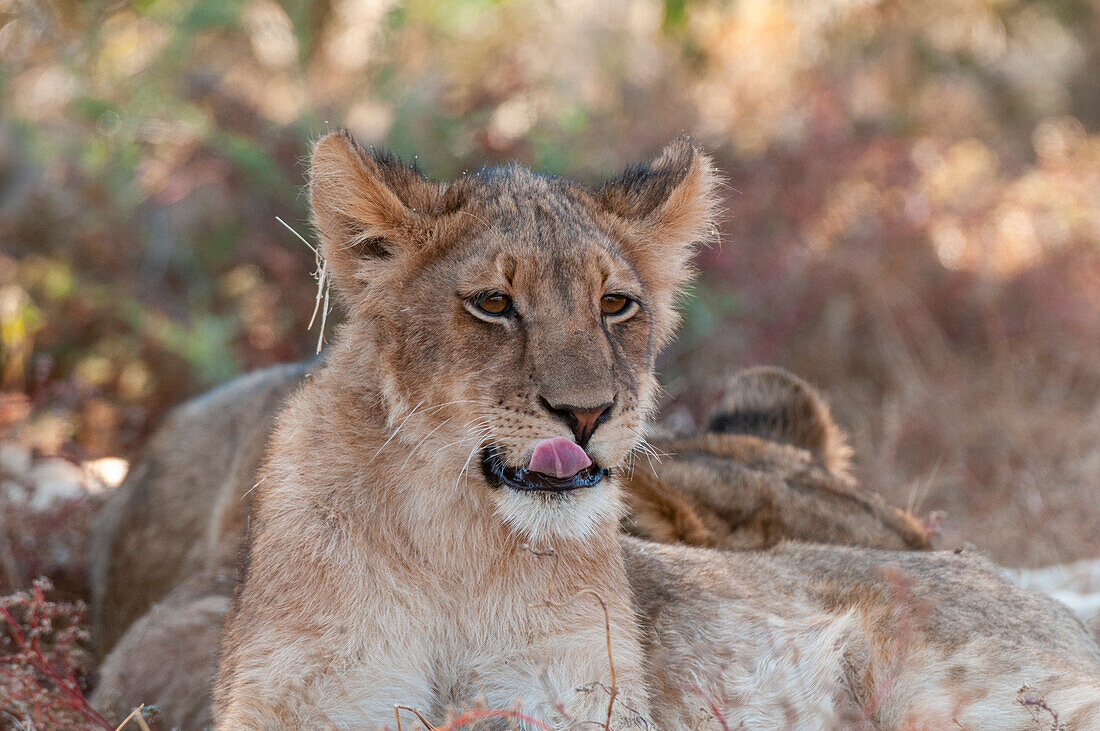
<point>544,518</point>
<point>570,505</point>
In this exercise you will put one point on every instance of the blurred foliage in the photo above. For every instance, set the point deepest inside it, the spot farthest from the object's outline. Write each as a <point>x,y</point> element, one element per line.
<point>913,211</point>
<point>45,663</point>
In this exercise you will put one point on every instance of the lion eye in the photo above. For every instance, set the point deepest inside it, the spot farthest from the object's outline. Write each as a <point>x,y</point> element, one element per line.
<point>495,304</point>
<point>614,304</point>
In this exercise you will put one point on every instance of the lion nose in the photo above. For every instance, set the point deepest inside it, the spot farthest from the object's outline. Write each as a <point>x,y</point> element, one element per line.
<point>583,421</point>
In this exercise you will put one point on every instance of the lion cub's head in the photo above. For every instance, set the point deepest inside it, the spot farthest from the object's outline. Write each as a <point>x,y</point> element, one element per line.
<point>513,318</point>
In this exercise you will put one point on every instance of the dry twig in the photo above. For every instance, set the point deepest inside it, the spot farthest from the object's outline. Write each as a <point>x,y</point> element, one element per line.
<point>137,717</point>
<point>323,284</point>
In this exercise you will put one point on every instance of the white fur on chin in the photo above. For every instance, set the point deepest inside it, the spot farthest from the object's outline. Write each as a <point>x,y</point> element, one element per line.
<point>545,518</point>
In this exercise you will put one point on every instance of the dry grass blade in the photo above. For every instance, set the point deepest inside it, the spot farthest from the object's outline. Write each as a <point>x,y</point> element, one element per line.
<point>323,285</point>
<point>397,715</point>
<point>137,718</point>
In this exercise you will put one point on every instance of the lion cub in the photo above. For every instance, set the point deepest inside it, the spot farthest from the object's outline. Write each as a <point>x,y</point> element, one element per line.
<point>439,505</point>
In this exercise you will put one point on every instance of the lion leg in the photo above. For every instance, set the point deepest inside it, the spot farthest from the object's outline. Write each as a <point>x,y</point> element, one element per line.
<point>295,682</point>
<point>941,696</point>
<point>167,658</point>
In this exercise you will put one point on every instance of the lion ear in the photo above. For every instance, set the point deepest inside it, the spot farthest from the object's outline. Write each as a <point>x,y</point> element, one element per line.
<point>368,207</point>
<point>663,209</point>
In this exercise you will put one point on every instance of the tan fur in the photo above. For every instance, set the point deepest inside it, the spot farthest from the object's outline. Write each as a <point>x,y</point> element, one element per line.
<point>772,466</point>
<point>384,568</point>
<point>740,492</point>
<point>736,491</point>
<point>165,549</point>
<point>832,637</point>
<point>775,404</point>
<point>179,512</point>
<point>168,657</point>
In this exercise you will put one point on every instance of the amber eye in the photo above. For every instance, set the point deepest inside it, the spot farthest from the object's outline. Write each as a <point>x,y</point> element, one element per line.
<point>495,304</point>
<point>614,304</point>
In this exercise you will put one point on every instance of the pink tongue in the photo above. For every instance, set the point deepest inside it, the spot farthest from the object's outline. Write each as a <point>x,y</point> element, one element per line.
<point>558,457</point>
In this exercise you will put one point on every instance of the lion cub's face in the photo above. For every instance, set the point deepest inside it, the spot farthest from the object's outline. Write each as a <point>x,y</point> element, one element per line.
<point>515,317</point>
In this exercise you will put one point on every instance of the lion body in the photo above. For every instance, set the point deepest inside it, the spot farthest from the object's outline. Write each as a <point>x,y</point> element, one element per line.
<point>737,491</point>
<point>771,466</point>
<point>165,548</point>
<point>837,637</point>
<point>385,566</point>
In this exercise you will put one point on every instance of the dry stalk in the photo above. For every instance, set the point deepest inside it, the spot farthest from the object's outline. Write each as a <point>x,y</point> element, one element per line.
<point>26,639</point>
<point>1035,705</point>
<point>397,715</point>
<point>137,717</point>
<point>324,283</point>
<point>549,552</point>
<point>605,689</point>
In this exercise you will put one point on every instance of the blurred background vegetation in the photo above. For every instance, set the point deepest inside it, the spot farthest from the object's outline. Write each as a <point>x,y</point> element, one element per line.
<point>913,214</point>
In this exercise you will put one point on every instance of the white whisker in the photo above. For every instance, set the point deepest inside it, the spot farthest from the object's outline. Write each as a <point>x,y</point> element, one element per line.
<point>644,447</point>
<point>395,431</point>
<point>417,410</point>
<point>463,439</point>
<point>422,440</point>
<point>473,451</point>
<point>249,491</point>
